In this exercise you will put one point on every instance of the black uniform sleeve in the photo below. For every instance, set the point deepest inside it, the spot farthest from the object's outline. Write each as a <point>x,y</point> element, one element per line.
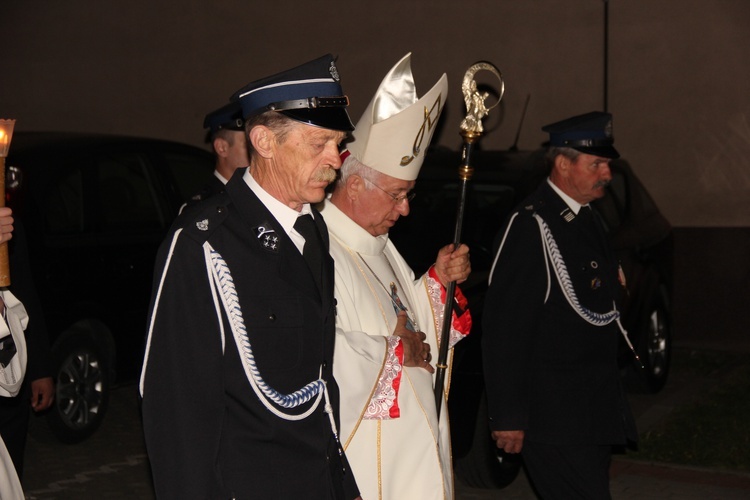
<point>182,379</point>
<point>512,310</point>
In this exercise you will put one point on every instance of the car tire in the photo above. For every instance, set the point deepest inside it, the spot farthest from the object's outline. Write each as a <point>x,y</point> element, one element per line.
<point>654,349</point>
<point>81,390</point>
<point>484,466</point>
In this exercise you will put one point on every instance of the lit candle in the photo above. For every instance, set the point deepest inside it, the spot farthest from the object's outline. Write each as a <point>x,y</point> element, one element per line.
<point>6,134</point>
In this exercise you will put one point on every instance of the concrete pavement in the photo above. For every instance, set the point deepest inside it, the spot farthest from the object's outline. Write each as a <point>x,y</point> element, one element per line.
<point>112,464</point>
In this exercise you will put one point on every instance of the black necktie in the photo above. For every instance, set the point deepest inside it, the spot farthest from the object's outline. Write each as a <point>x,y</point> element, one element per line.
<point>312,251</point>
<point>586,216</point>
<point>589,219</point>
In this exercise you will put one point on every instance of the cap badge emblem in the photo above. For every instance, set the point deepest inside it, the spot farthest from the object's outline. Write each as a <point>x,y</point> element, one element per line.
<point>202,225</point>
<point>334,72</point>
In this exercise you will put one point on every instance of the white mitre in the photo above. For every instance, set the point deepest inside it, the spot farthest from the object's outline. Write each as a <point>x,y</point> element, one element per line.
<point>395,130</point>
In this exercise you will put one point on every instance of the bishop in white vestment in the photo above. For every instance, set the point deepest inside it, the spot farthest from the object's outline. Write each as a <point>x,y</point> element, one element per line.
<point>384,364</point>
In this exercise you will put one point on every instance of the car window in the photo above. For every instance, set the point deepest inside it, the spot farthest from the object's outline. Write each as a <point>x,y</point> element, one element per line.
<point>431,222</point>
<point>612,206</point>
<point>63,207</point>
<point>642,204</point>
<point>189,172</point>
<point>126,194</point>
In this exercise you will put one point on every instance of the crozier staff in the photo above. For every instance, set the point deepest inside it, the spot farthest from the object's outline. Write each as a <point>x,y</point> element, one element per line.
<point>471,131</point>
<point>237,385</point>
<point>387,321</point>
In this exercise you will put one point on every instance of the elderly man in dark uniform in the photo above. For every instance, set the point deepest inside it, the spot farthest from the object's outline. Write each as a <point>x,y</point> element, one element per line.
<point>239,400</point>
<point>551,327</point>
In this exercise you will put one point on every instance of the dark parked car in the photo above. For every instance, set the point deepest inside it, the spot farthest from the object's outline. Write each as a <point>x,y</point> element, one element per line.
<point>641,236</point>
<point>95,209</point>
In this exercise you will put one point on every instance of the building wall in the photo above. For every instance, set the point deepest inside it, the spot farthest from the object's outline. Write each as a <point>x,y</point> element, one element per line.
<point>678,78</point>
<point>677,72</point>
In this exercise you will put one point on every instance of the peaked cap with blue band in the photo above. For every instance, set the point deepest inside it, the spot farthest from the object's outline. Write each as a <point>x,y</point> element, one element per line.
<point>228,117</point>
<point>309,93</point>
<point>589,133</point>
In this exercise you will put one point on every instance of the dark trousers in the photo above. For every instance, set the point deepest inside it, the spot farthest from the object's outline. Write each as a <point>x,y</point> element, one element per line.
<point>568,472</point>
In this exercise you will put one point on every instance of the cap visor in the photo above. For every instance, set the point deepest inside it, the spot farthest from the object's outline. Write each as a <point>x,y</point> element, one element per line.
<point>331,118</point>
<point>603,151</point>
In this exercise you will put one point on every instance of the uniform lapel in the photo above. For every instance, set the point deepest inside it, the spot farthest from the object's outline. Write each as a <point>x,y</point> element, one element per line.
<point>271,239</point>
<point>585,222</point>
<point>573,234</point>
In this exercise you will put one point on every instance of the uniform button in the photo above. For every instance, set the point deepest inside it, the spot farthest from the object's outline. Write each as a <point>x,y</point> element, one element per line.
<point>272,317</point>
<point>219,210</point>
<point>325,364</point>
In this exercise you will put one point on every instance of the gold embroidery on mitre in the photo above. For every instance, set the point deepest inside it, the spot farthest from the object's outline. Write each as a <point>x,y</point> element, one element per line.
<point>429,122</point>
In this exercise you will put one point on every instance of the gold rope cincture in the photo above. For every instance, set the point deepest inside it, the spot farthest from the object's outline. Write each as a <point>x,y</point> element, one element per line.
<point>369,285</point>
<point>385,320</point>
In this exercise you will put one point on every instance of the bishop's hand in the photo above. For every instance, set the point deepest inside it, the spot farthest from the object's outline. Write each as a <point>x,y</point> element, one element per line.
<point>416,351</point>
<point>453,265</point>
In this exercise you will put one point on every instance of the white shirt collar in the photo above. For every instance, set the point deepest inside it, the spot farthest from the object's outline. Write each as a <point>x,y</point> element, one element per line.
<point>349,232</point>
<point>220,177</point>
<point>573,204</point>
<point>283,214</point>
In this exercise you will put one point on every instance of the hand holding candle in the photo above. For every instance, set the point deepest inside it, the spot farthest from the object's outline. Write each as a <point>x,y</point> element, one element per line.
<point>6,134</point>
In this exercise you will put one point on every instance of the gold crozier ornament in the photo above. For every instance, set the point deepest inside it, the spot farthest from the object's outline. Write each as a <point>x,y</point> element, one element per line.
<point>476,109</point>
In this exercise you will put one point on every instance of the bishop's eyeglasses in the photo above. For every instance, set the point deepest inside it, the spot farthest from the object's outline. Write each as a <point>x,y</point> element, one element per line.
<point>397,200</point>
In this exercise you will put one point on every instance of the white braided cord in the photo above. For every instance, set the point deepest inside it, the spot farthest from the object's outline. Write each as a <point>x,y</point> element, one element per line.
<point>502,244</point>
<point>551,252</point>
<point>152,321</point>
<point>566,285</point>
<point>222,278</point>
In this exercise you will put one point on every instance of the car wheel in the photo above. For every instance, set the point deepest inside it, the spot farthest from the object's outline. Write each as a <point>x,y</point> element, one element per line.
<point>655,351</point>
<point>81,391</point>
<point>484,466</point>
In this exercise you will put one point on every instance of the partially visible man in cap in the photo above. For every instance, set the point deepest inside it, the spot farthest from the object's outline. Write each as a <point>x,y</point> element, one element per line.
<point>388,322</point>
<point>551,327</point>
<point>226,133</point>
<point>239,399</point>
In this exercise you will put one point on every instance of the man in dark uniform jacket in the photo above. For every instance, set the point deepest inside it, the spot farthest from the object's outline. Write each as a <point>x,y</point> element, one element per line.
<point>237,385</point>
<point>226,133</point>
<point>551,326</point>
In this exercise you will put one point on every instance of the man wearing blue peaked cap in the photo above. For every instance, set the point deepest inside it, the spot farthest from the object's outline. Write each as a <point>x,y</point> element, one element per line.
<point>239,398</point>
<point>310,93</point>
<point>589,133</point>
<point>552,326</point>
